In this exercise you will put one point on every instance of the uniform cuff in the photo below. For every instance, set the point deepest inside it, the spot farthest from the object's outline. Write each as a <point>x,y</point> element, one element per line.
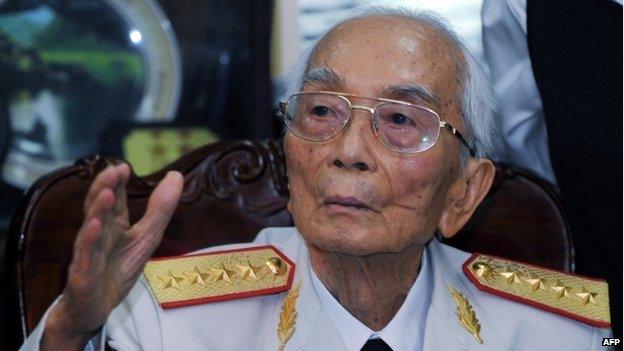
<point>34,339</point>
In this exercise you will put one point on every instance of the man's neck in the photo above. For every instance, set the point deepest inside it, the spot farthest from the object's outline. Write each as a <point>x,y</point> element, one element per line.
<point>372,288</point>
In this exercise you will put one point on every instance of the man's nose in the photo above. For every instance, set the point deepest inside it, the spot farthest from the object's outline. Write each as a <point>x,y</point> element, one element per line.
<point>353,150</point>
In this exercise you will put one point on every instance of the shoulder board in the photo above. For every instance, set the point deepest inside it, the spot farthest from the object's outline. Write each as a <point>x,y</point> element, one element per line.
<point>187,280</point>
<point>580,298</point>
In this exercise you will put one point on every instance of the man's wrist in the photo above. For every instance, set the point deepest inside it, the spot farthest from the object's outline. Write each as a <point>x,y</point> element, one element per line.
<point>59,333</point>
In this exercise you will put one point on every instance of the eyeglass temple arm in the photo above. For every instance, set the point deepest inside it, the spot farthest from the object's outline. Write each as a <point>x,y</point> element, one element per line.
<point>458,135</point>
<point>282,106</point>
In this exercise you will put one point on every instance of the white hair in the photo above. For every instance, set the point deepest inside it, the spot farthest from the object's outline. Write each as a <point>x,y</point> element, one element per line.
<point>476,95</point>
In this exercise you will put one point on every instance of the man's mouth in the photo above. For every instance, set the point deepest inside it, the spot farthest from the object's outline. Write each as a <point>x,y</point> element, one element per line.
<point>349,202</point>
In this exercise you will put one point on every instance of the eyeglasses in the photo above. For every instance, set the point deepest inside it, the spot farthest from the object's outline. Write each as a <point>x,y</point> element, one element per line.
<point>400,126</point>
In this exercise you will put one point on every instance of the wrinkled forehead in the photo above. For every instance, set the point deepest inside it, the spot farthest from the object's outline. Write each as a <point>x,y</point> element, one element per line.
<point>387,56</point>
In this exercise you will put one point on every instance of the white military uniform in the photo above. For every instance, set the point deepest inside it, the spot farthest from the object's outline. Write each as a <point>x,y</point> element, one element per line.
<point>426,321</point>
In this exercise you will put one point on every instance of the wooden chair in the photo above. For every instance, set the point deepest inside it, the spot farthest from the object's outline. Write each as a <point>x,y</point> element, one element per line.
<point>232,190</point>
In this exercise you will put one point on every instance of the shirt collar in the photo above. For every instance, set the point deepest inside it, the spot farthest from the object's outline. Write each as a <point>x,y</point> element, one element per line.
<point>406,329</point>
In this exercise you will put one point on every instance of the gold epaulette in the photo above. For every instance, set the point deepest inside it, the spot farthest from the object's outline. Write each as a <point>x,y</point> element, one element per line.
<point>580,298</point>
<point>217,276</point>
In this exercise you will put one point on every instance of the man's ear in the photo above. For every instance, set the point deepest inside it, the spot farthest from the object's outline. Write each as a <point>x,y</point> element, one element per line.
<point>465,195</point>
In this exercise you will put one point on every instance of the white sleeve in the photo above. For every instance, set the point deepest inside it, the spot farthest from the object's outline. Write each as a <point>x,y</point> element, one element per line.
<point>520,120</point>
<point>34,339</point>
<point>597,336</point>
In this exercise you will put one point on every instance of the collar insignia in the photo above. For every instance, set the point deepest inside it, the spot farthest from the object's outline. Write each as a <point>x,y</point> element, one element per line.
<point>288,316</point>
<point>465,314</point>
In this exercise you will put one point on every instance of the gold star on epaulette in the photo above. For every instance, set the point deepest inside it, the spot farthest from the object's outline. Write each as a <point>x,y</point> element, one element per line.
<point>536,283</point>
<point>171,280</point>
<point>217,276</point>
<point>197,277</point>
<point>580,298</point>
<point>560,289</point>
<point>249,271</point>
<point>222,274</point>
<point>511,277</point>
<point>587,296</point>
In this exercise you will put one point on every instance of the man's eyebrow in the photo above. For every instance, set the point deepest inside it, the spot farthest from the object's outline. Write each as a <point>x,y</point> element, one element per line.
<point>323,76</point>
<point>412,92</point>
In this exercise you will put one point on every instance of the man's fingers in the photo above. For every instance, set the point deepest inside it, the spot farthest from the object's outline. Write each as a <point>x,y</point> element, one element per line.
<point>86,246</point>
<point>101,206</point>
<point>108,178</point>
<point>161,205</point>
<point>120,208</point>
<point>102,210</point>
<point>88,241</point>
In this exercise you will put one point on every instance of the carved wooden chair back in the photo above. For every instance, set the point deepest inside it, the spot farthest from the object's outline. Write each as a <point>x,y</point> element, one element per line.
<point>232,190</point>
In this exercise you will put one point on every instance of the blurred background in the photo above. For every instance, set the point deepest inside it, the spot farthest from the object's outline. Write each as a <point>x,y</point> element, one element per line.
<point>149,80</point>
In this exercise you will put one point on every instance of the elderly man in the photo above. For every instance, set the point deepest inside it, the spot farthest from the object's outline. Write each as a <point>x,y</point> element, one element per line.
<point>384,149</point>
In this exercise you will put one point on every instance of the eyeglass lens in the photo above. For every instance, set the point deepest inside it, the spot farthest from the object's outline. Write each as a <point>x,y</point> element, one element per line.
<point>319,116</point>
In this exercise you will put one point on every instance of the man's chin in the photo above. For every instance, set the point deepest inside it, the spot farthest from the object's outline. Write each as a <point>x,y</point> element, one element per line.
<point>347,250</point>
<point>348,243</point>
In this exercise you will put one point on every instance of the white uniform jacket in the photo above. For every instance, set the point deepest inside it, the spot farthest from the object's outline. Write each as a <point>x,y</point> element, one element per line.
<point>139,323</point>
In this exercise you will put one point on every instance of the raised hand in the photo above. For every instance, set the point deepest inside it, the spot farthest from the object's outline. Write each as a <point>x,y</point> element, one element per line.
<point>109,255</point>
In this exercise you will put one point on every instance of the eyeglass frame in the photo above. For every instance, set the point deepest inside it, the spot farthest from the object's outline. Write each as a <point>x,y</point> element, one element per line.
<point>382,101</point>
